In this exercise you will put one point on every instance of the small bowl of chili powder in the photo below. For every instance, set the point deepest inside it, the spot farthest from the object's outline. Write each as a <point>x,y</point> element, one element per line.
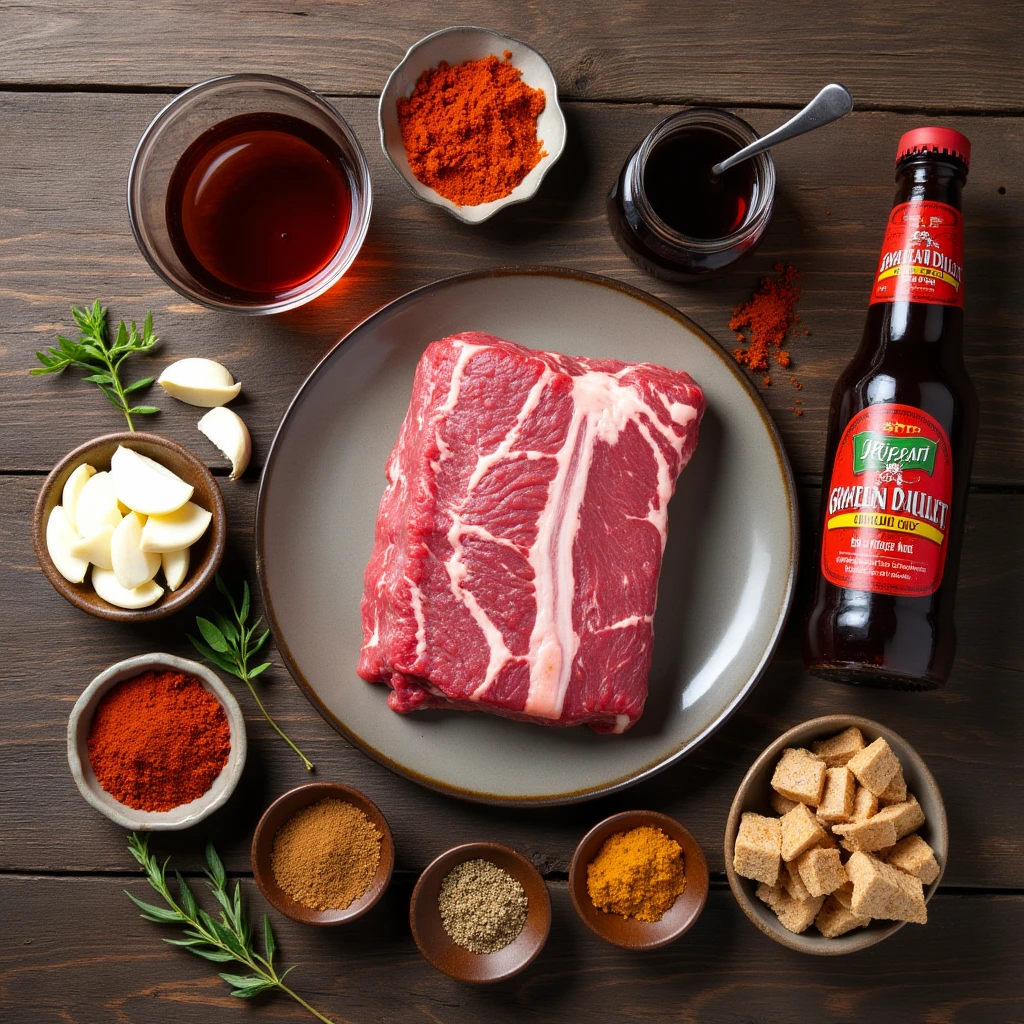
<point>470,121</point>
<point>156,743</point>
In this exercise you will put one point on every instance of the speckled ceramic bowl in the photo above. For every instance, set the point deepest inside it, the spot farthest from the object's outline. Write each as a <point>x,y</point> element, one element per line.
<point>456,46</point>
<point>181,817</point>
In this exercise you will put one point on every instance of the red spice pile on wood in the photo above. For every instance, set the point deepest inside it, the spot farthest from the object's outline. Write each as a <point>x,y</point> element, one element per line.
<point>767,318</point>
<point>158,740</point>
<point>470,131</point>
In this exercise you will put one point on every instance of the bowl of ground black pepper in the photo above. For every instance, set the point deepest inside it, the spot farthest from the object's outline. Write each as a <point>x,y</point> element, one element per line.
<point>480,912</point>
<point>156,743</point>
<point>322,853</point>
<point>638,879</point>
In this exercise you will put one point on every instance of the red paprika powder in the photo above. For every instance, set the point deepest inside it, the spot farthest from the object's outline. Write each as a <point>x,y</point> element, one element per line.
<point>158,740</point>
<point>767,316</point>
<point>470,130</point>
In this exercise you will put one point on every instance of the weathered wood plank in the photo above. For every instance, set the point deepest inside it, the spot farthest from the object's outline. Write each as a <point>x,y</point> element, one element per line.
<point>77,951</point>
<point>911,56</point>
<point>64,237</point>
<point>968,734</point>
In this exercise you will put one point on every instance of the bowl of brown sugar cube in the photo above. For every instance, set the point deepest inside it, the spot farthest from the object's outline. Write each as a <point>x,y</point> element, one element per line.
<point>837,836</point>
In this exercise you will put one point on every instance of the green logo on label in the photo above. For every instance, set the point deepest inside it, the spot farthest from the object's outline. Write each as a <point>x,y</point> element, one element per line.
<point>881,452</point>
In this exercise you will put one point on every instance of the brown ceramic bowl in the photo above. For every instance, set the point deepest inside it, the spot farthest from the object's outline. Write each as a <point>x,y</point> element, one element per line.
<point>457,962</point>
<point>754,794</point>
<point>205,556</point>
<point>628,932</point>
<point>263,843</point>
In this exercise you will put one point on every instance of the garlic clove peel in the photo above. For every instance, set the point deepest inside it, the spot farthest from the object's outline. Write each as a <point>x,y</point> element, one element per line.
<point>230,434</point>
<point>60,536</point>
<point>105,584</point>
<point>145,486</point>
<point>176,530</point>
<point>202,382</point>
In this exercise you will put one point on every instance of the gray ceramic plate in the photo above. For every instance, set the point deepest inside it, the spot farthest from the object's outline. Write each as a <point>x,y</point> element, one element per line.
<point>727,577</point>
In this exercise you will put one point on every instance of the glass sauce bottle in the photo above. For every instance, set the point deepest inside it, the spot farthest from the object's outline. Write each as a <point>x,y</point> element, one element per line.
<point>901,436</point>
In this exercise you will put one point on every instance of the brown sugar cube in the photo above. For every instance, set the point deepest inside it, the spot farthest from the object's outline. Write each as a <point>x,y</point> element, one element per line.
<point>880,890</point>
<point>915,857</point>
<point>828,841</point>
<point>872,834</point>
<point>821,871</point>
<point>906,817</point>
<point>799,776</point>
<point>782,804</point>
<point>790,880</point>
<point>837,800</point>
<point>770,894</point>
<point>865,803</point>
<point>838,750</point>
<point>758,844</point>
<point>798,915</point>
<point>896,791</point>
<point>800,831</point>
<point>844,894</point>
<point>834,919</point>
<point>875,766</point>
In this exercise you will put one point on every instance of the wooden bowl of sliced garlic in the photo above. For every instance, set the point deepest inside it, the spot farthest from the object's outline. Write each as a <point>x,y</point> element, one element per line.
<point>130,527</point>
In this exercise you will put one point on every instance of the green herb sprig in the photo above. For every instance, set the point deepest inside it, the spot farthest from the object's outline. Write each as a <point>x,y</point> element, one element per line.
<point>94,353</point>
<point>229,645</point>
<point>223,940</point>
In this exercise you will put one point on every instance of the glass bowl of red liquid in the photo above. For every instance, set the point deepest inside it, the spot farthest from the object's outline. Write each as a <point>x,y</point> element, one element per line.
<point>249,193</point>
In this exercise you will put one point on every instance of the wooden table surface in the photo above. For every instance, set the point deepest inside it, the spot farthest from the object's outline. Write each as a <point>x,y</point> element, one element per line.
<point>79,82</point>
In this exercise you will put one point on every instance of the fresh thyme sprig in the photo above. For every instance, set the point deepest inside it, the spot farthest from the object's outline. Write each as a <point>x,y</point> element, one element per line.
<point>224,940</point>
<point>93,352</point>
<point>230,645</point>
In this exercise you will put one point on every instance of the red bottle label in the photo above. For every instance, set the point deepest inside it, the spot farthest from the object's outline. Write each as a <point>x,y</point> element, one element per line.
<point>922,256</point>
<point>887,513</point>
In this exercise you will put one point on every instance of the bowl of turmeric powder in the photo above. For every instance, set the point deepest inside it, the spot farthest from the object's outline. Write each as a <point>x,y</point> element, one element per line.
<point>638,879</point>
<point>470,121</point>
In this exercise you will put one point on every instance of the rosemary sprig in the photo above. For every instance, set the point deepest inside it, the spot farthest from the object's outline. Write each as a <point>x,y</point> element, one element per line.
<point>94,353</point>
<point>223,940</point>
<point>229,645</point>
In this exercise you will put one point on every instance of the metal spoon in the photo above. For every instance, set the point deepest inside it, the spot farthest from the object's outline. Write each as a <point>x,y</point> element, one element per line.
<point>832,103</point>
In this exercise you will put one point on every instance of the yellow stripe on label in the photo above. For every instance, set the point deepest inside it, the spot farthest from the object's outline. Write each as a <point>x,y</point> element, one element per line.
<point>884,521</point>
<point>939,275</point>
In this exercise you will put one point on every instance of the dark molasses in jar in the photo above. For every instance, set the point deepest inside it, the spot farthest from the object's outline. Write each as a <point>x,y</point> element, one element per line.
<point>901,436</point>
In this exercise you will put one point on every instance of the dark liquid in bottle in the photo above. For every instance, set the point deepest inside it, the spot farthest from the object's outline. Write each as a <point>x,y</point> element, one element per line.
<point>258,205</point>
<point>685,195</point>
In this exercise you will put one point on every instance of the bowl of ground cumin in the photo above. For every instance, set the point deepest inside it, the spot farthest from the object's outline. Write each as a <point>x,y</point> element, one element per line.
<point>638,879</point>
<point>156,743</point>
<point>470,121</point>
<point>323,854</point>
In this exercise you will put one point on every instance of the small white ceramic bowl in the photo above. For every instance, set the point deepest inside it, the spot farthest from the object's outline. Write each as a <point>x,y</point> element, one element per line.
<point>456,46</point>
<point>153,821</point>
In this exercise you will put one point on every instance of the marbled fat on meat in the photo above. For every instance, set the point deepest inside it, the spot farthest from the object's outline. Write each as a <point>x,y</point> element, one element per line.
<point>519,540</point>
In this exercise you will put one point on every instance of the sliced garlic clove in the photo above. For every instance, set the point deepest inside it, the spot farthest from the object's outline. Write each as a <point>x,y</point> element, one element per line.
<point>145,486</point>
<point>73,489</point>
<point>105,584</point>
<point>175,565</point>
<point>227,431</point>
<point>201,382</point>
<point>176,530</point>
<point>132,565</point>
<point>97,505</point>
<point>96,547</point>
<point>60,535</point>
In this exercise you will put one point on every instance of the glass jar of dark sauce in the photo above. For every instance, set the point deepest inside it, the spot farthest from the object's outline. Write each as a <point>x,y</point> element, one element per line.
<point>674,218</point>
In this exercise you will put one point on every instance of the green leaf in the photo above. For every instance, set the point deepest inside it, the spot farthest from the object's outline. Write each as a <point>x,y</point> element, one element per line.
<point>259,643</point>
<point>212,635</point>
<point>243,612</point>
<point>188,901</point>
<point>228,628</point>
<point>138,385</point>
<point>218,956</point>
<point>269,945</point>
<point>258,670</point>
<point>144,410</point>
<point>223,588</point>
<point>220,660</point>
<point>99,378</point>
<point>160,915</point>
<point>247,986</point>
<point>216,865</point>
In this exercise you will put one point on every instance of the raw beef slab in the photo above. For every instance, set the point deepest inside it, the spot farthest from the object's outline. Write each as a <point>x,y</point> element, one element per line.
<point>519,540</point>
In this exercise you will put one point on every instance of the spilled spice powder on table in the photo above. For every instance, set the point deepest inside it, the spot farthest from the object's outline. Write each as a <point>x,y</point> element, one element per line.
<point>767,318</point>
<point>470,130</point>
<point>325,855</point>
<point>638,874</point>
<point>158,740</point>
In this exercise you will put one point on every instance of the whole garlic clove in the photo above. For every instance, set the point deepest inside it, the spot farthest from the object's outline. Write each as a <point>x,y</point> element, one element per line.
<point>175,565</point>
<point>202,382</point>
<point>145,486</point>
<point>73,490</point>
<point>176,530</point>
<point>96,547</point>
<point>131,565</point>
<point>96,505</point>
<point>105,584</point>
<point>60,536</point>
<point>227,431</point>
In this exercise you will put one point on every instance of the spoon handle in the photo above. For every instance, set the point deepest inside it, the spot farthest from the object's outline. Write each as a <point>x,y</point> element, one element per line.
<point>832,103</point>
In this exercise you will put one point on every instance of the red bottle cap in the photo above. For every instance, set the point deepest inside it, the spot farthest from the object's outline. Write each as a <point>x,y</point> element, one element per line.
<point>935,140</point>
